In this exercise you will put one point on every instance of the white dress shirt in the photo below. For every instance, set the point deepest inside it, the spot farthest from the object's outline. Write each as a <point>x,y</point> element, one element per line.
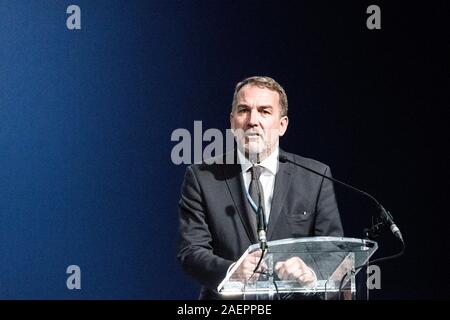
<point>269,168</point>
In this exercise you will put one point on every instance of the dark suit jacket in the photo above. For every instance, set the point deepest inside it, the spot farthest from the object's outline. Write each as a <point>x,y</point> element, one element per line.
<point>215,225</point>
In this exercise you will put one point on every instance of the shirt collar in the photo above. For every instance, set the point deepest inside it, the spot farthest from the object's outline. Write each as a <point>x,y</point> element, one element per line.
<point>270,163</point>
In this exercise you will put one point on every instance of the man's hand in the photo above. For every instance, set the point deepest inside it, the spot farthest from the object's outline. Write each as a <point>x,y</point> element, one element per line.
<point>245,271</point>
<point>295,269</point>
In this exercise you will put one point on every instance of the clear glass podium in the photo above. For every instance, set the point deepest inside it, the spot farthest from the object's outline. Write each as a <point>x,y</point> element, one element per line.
<point>332,259</point>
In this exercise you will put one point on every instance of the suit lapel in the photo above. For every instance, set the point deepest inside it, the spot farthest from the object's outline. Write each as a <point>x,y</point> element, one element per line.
<point>235,184</point>
<point>280,190</point>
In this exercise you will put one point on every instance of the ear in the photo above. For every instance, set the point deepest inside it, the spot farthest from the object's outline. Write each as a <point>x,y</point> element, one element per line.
<point>284,121</point>
<point>231,120</point>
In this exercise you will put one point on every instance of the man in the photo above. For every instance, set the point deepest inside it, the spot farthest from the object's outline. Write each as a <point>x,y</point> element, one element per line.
<point>217,215</point>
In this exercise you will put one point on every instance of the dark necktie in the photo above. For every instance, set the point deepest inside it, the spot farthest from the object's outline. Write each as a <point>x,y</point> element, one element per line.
<point>253,188</point>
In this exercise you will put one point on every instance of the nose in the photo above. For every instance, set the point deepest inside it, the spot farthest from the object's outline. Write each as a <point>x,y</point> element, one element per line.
<point>253,118</point>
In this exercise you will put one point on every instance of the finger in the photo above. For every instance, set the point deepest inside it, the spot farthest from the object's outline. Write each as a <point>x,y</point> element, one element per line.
<point>292,274</point>
<point>305,278</point>
<point>282,273</point>
<point>264,266</point>
<point>290,261</point>
<point>295,269</point>
<point>278,265</point>
<point>253,258</point>
<point>297,274</point>
<point>297,266</point>
<point>256,253</point>
<point>294,261</point>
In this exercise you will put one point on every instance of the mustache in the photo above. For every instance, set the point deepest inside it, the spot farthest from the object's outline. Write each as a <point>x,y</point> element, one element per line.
<point>251,133</point>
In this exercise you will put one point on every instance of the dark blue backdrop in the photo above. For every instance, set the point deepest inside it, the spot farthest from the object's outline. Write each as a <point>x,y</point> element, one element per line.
<point>86,118</point>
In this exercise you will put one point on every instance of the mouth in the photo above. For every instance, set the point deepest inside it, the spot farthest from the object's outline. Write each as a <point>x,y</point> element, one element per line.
<point>252,134</point>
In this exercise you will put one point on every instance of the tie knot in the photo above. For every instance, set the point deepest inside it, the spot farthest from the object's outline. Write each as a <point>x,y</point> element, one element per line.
<point>256,172</point>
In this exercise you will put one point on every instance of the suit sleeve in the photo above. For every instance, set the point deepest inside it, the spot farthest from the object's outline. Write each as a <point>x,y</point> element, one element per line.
<point>328,221</point>
<point>196,253</point>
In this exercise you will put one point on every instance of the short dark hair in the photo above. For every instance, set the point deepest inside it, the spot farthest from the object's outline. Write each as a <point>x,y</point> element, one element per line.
<point>264,82</point>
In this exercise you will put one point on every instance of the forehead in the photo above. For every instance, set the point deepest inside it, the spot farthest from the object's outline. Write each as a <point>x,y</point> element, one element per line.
<point>254,95</point>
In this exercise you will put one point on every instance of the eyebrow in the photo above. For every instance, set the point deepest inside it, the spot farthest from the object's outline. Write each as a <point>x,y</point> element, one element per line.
<point>266,107</point>
<point>259,107</point>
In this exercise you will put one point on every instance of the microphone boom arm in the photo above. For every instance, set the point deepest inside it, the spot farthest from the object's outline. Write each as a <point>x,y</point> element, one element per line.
<point>385,216</point>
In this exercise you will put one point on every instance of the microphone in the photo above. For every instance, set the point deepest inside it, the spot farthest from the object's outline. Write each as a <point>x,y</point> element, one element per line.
<point>385,216</point>
<point>261,222</point>
<point>388,220</point>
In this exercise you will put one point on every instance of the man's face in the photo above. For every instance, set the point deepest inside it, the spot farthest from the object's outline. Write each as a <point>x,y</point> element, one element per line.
<point>256,121</point>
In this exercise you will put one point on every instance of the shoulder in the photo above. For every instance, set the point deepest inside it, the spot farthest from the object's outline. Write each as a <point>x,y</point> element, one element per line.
<point>308,162</point>
<point>214,167</point>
